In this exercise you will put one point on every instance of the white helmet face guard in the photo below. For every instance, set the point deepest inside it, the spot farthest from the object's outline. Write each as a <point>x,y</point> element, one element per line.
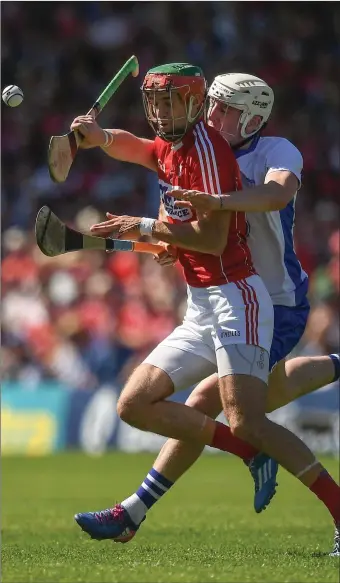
<point>212,102</point>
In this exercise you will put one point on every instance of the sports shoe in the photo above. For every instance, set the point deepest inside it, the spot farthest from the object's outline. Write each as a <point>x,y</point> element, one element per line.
<point>263,470</point>
<point>112,523</point>
<point>336,549</point>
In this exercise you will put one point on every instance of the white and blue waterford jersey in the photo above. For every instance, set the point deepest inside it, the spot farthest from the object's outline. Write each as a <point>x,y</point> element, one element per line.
<point>271,234</point>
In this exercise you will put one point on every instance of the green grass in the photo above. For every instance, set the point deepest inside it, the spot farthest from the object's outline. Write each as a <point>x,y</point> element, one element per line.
<point>204,529</point>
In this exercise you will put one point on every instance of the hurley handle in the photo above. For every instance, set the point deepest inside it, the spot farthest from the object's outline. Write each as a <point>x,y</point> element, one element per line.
<point>131,66</point>
<point>137,246</point>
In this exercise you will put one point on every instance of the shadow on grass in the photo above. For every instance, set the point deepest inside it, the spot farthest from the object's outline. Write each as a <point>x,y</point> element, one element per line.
<point>305,554</point>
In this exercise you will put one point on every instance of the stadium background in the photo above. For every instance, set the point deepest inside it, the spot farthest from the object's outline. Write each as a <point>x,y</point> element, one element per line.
<point>74,327</point>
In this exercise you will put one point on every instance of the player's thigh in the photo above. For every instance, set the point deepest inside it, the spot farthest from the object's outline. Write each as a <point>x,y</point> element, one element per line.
<point>289,326</point>
<point>147,384</point>
<point>206,397</point>
<point>243,371</point>
<point>185,356</point>
<point>277,384</point>
<point>244,400</point>
<point>243,331</point>
<point>242,314</point>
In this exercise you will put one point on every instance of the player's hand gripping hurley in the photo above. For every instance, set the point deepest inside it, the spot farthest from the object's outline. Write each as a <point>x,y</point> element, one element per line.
<point>63,149</point>
<point>55,238</point>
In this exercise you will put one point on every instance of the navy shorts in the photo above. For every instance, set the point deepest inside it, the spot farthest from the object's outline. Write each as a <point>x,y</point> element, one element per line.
<point>289,326</point>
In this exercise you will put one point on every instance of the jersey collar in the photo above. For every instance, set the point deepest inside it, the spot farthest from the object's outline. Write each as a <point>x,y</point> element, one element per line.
<point>244,151</point>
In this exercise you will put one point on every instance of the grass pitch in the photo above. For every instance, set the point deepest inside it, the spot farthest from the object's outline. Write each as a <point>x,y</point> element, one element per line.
<point>204,529</point>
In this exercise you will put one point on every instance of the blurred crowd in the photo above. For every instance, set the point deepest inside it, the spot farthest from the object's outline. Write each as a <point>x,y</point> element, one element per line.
<point>86,319</point>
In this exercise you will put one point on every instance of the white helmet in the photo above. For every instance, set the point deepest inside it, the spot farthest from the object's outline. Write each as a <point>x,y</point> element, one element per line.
<point>246,92</point>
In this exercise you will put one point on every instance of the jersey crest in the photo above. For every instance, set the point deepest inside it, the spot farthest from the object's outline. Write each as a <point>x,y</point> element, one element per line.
<point>170,206</point>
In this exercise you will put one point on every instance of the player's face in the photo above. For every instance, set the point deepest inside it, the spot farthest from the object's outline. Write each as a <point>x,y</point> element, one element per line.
<point>226,120</point>
<point>169,111</point>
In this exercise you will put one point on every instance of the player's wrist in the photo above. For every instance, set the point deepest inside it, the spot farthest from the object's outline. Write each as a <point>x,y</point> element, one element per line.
<point>223,200</point>
<point>146,226</point>
<point>108,138</point>
<point>217,202</point>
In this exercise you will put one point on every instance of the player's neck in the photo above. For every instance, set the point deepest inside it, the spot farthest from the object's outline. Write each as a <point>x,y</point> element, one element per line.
<point>247,143</point>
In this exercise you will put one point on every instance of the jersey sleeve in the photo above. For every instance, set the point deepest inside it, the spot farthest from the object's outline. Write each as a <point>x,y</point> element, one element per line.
<point>284,156</point>
<point>215,169</point>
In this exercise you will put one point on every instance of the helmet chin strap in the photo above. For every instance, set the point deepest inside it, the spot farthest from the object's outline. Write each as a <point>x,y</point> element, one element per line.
<point>239,144</point>
<point>249,139</point>
<point>244,141</point>
<point>190,117</point>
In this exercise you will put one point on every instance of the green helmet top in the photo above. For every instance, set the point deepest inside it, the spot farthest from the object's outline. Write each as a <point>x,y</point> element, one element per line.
<point>178,69</point>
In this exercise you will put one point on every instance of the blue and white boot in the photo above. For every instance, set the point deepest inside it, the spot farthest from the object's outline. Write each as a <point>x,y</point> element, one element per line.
<point>112,523</point>
<point>264,471</point>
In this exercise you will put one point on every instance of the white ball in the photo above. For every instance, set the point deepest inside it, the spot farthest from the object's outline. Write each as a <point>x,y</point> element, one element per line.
<point>12,95</point>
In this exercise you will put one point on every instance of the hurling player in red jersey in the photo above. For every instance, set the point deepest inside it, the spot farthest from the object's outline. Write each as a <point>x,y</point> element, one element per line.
<point>229,318</point>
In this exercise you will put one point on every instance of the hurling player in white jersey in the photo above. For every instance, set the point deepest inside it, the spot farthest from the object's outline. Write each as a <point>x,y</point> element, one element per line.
<point>239,106</point>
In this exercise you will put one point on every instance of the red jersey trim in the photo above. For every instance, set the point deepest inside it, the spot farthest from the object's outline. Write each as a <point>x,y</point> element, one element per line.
<point>205,136</point>
<point>207,160</point>
<point>252,311</point>
<point>208,166</point>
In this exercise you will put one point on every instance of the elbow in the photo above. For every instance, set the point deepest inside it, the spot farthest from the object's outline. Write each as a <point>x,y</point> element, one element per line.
<point>280,204</point>
<point>278,195</point>
<point>281,197</point>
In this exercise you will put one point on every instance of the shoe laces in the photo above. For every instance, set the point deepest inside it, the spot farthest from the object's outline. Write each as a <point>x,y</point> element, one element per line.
<point>115,514</point>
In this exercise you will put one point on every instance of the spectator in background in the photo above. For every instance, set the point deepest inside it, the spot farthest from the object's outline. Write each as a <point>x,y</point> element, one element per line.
<point>86,318</point>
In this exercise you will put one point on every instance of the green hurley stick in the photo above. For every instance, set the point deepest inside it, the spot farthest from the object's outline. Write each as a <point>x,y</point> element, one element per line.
<point>131,66</point>
<point>63,149</point>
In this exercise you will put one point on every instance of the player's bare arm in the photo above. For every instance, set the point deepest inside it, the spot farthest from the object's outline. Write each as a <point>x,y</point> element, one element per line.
<point>170,255</point>
<point>118,144</point>
<point>276,192</point>
<point>206,235</point>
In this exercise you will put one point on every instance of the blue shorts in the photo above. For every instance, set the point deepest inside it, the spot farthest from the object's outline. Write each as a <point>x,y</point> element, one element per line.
<point>289,326</point>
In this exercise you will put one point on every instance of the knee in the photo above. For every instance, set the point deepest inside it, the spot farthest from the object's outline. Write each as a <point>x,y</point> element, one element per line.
<point>239,428</point>
<point>197,400</point>
<point>134,398</point>
<point>128,410</point>
<point>250,430</point>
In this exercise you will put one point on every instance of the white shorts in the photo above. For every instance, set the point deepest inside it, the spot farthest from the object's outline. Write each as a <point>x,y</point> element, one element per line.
<point>216,317</point>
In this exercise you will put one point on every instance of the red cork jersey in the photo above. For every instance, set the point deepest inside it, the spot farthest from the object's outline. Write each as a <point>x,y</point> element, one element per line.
<point>204,161</point>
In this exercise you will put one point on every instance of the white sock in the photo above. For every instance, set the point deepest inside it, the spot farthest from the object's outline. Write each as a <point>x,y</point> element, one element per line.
<point>135,507</point>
